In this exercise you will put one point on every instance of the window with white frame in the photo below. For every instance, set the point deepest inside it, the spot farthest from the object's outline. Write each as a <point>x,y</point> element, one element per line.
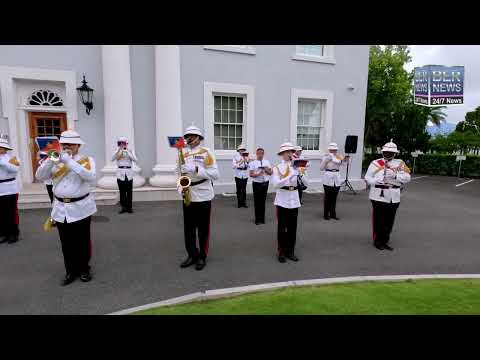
<point>309,123</point>
<point>311,50</point>
<point>315,53</point>
<point>228,121</point>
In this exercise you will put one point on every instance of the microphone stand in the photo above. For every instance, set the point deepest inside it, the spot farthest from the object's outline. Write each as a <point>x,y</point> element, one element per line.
<point>347,183</point>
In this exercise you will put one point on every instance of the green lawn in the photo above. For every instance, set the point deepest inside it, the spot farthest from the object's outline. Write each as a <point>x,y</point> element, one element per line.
<point>426,297</point>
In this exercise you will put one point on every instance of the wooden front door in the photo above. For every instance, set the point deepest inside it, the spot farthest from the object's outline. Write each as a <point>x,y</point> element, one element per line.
<point>44,124</point>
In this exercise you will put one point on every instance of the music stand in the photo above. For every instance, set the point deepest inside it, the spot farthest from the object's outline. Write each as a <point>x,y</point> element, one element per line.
<point>347,183</point>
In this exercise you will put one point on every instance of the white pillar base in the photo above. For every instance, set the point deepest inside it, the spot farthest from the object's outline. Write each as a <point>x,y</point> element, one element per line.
<point>109,178</point>
<point>164,177</point>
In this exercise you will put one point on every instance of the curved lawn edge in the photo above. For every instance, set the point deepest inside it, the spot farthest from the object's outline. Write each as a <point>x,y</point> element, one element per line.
<point>235,291</point>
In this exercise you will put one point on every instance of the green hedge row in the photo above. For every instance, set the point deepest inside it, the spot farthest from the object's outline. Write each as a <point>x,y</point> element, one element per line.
<point>436,164</point>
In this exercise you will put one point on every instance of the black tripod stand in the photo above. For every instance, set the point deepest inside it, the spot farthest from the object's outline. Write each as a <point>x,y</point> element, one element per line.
<point>347,183</point>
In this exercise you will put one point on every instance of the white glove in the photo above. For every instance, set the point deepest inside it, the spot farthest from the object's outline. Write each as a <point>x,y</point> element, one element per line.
<point>188,169</point>
<point>64,157</point>
<point>391,175</point>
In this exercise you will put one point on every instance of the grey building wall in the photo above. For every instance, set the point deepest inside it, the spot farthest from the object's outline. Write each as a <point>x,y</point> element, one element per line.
<point>142,64</point>
<point>273,73</point>
<point>83,59</point>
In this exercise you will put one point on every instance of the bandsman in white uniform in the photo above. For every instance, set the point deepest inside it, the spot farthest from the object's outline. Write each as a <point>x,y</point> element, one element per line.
<point>240,166</point>
<point>124,157</point>
<point>9,189</point>
<point>331,180</point>
<point>201,167</point>
<point>73,176</point>
<point>260,171</point>
<point>385,177</point>
<point>287,202</point>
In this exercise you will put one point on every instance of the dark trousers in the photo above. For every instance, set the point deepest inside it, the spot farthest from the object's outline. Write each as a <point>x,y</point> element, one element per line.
<point>76,245</point>
<point>287,230</point>
<point>50,192</point>
<point>126,191</point>
<point>259,198</point>
<point>196,217</point>
<point>383,218</point>
<point>330,200</point>
<point>241,191</point>
<point>300,193</point>
<point>9,218</point>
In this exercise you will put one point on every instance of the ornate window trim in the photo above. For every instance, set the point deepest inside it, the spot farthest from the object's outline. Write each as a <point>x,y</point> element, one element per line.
<point>44,97</point>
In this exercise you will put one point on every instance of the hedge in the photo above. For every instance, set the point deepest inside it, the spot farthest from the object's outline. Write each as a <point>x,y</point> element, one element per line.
<point>436,164</point>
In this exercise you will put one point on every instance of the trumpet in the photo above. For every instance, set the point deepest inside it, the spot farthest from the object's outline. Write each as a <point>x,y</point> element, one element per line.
<point>55,155</point>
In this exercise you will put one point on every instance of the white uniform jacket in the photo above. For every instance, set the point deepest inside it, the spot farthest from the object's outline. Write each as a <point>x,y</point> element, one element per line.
<point>9,167</point>
<point>255,165</point>
<point>397,172</point>
<point>331,162</point>
<point>125,160</point>
<point>73,179</point>
<point>240,167</point>
<point>207,170</point>
<point>285,175</point>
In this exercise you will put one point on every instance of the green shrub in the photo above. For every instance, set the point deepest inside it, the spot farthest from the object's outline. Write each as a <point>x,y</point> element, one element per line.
<point>436,164</point>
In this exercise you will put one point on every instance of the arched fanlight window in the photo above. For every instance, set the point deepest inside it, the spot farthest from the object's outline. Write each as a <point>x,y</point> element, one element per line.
<point>44,98</point>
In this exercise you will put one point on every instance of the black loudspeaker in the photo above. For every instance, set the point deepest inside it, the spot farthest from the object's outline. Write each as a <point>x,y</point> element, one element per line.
<point>351,144</point>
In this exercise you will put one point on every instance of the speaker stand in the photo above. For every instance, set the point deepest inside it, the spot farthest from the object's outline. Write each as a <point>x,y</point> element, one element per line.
<point>347,183</point>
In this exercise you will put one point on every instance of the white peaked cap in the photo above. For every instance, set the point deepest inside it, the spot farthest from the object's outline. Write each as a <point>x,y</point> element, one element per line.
<point>390,147</point>
<point>332,146</point>
<point>122,139</point>
<point>193,130</point>
<point>285,147</point>
<point>4,143</point>
<point>241,147</point>
<point>71,137</point>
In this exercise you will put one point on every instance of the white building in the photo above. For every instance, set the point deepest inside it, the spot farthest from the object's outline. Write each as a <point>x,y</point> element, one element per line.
<point>255,94</point>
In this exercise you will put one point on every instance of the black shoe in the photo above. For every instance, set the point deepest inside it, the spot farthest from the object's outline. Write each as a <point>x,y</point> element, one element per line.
<point>257,222</point>
<point>4,240</point>
<point>326,217</point>
<point>336,218</point>
<point>282,259</point>
<point>200,264</point>
<point>292,257</point>
<point>378,246</point>
<point>12,239</point>
<point>122,211</point>
<point>387,247</point>
<point>130,211</point>
<point>69,278</point>
<point>85,276</point>
<point>188,262</point>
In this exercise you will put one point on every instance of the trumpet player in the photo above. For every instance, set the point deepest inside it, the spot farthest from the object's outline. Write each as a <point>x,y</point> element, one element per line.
<point>240,165</point>
<point>331,180</point>
<point>287,202</point>
<point>124,158</point>
<point>9,219</point>
<point>385,177</point>
<point>201,167</point>
<point>73,175</point>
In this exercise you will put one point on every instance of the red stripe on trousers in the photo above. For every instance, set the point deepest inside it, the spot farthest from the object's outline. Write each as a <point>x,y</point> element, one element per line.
<point>208,237</point>
<point>373,224</point>
<point>279,251</point>
<point>17,217</point>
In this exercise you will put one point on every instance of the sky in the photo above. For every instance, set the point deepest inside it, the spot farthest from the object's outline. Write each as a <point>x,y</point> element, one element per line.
<point>451,55</point>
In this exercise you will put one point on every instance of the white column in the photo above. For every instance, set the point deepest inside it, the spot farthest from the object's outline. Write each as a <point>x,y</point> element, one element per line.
<point>118,106</point>
<point>168,113</point>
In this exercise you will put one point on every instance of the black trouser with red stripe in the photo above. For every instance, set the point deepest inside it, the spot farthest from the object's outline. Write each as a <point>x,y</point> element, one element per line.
<point>9,218</point>
<point>383,218</point>
<point>287,230</point>
<point>76,245</point>
<point>330,200</point>
<point>126,189</point>
<point>196,216</point>
<point>241,191</point>
<point>259,198</point>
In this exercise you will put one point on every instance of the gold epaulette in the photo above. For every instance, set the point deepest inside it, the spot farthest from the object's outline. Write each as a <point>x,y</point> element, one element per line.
<point>14,161</point>
<point>85,162</point>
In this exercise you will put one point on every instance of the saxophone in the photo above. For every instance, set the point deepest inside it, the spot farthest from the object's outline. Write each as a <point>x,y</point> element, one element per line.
<point>183,180</point>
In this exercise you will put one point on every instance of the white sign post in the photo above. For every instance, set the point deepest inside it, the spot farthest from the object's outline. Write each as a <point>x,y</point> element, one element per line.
<point>415,155</point>
<point>460,158</point>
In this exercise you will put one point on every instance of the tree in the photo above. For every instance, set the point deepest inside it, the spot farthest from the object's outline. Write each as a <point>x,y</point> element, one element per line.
<point>471,122</point>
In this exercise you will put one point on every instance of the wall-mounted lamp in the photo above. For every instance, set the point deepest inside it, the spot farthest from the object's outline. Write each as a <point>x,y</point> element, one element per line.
<point>350,87</point>
<point>86,94</point>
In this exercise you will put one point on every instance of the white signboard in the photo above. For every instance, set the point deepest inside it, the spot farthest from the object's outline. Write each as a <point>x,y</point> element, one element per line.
<point>461,157</point>
<point>414,154</point>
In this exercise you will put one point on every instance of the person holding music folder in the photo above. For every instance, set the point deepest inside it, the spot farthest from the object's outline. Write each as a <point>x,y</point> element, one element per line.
<point>240,165</point>
<point>9,189</point>
<point>125,157</point>
<point>331,180</point>
<point>287,202</point>
<point>260,171</point>
<point>201,167</point>
<point>73,175</point>
<point>385,176</point>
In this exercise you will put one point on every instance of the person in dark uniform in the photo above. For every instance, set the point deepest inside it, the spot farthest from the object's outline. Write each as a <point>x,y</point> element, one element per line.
<point>9,219</point>
<point>260,171</point>
<point>240,166</point>
<point>201,167</point>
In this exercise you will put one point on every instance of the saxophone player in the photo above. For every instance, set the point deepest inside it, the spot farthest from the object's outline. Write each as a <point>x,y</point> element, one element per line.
<point>201,167</point>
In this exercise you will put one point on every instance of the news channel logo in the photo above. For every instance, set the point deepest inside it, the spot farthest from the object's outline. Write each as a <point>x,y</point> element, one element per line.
<point>439,85</point>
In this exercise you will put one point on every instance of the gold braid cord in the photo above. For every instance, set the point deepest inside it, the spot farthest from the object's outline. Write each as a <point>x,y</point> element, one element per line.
<point>14,161</point>
<point>85,162</point>
<point>283,176</point>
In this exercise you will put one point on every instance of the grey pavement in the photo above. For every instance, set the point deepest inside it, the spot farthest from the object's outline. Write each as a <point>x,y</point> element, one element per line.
<point>136,256</point>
